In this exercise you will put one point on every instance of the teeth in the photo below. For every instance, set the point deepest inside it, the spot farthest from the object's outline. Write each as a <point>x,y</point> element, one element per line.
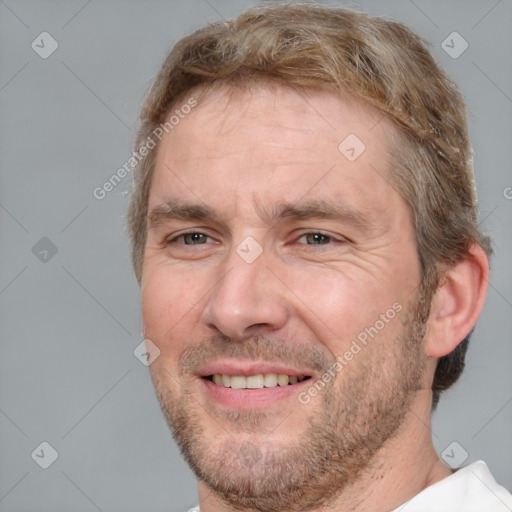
<point>226,381</point>
<point>259,381</point>
<point>238,382</point>
<point>282,380</point>
<point>270,380</point>
<point>253,382</point>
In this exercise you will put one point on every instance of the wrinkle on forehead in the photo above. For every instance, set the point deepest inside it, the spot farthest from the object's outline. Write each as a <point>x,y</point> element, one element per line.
<point>259,99</point>
<point>277,144</point>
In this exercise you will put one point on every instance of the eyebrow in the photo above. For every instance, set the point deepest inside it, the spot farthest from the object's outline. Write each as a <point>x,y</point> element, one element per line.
<point>323,209</point>
<point>337,210</point>
<point>179,210</point>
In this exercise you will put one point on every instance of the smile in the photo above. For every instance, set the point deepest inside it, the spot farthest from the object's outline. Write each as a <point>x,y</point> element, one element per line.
<point>257,381</point>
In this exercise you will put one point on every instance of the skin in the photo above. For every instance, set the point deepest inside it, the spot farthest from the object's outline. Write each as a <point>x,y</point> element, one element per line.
<point>242,155</point>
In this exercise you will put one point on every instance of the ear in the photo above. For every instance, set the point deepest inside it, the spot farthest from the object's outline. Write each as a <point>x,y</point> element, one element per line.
<point>458,302</point>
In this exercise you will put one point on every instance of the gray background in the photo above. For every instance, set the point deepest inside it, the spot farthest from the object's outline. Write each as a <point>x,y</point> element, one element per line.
<point>69,324</point>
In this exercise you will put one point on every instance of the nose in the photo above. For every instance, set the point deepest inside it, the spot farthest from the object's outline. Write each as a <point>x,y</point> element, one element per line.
<point>247,300</point>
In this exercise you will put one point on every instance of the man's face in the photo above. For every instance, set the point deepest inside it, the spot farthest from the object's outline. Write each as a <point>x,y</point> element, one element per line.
<point>274,255</point>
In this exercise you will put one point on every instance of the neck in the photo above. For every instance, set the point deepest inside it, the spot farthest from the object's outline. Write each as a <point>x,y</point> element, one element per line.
<point>407,464</point>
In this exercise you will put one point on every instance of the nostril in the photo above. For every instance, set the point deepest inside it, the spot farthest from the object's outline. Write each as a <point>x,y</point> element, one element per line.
<point>257,325</point>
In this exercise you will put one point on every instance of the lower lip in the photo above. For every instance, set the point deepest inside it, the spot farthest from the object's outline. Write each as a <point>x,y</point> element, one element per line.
<point>248,399</point>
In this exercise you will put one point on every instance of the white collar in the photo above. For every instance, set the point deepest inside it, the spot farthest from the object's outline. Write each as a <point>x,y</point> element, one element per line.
<point>469,489</point>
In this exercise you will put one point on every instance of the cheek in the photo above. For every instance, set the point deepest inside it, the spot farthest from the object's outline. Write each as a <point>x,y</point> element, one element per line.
<point>168,312</point>
<point>339,304</point>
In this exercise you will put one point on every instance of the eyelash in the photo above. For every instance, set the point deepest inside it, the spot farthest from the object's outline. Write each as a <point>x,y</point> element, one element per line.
<point>318,233</point>
<point>332,239</point>
<point>174,239</point>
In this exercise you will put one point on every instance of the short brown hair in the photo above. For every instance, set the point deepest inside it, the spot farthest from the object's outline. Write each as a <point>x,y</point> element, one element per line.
<point>380,62</point>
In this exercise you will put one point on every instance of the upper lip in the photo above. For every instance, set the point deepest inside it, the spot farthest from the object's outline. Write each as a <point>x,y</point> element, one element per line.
<point>246,368</point>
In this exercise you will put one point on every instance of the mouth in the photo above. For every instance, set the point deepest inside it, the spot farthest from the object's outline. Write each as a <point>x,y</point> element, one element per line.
<point>256,381</point>
<point>249,385</point>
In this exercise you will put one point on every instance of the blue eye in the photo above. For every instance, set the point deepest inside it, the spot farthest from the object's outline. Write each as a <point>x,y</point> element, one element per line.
<point>316,239</point>
<point>191,239</point>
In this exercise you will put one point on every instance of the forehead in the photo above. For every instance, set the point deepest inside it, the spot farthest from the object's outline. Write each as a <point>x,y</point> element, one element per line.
<point>248,149</point>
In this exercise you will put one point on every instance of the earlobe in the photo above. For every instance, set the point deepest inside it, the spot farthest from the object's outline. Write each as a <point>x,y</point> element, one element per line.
<point>458,302</point>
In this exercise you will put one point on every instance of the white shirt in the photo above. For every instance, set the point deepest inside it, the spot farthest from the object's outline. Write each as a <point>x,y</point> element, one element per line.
<point>470,489</point>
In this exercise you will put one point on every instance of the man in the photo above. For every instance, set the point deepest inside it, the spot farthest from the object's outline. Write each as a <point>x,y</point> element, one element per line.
<point>305,234</point>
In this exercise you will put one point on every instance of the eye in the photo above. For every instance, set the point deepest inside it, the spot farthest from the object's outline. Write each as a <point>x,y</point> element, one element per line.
<point>315,239</point>
<point>194,238</point>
